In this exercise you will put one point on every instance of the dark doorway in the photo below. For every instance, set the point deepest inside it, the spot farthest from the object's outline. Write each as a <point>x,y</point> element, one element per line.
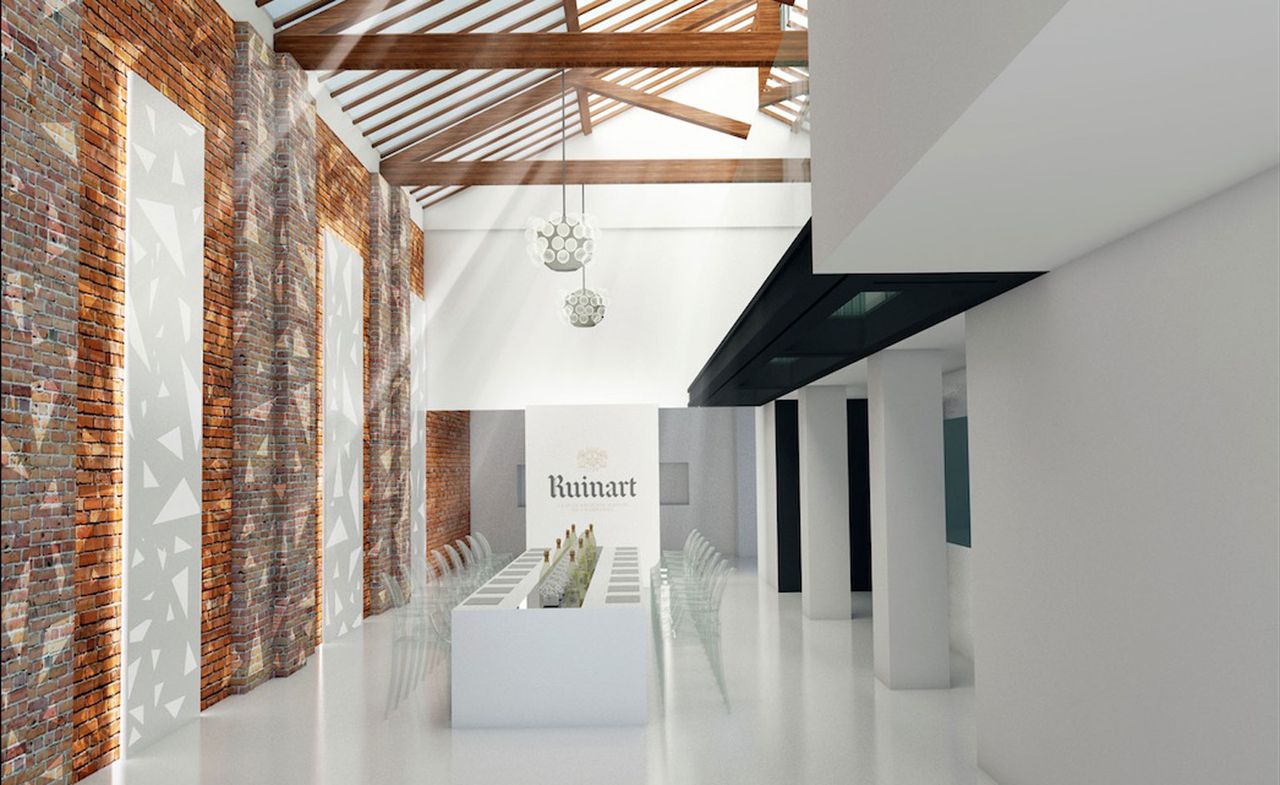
<point>787,441</point>
<point>859,495</point>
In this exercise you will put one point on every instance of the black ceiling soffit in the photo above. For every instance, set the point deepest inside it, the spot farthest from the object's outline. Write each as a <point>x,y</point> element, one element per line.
<point>801,325</point>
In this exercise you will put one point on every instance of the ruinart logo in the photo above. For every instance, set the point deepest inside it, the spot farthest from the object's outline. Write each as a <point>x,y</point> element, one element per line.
<point>590,489</point>
<point>593,459</point>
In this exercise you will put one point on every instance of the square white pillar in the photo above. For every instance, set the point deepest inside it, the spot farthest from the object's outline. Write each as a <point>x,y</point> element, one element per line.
<point>908,520</point>
<point>824,504</point>
<point>766,496</point>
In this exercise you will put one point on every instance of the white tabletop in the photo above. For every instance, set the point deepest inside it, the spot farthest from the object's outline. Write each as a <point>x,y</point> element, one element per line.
<point>616,581</point>
<point>508,588</point>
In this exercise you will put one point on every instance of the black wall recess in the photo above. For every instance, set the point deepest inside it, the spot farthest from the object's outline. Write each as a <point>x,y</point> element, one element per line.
<point>787,441</point>
<point>859,495</point>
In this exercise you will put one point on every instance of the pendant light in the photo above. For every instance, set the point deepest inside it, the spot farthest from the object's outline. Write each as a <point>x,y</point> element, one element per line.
<point>565,241</point>
<point>582,306</point>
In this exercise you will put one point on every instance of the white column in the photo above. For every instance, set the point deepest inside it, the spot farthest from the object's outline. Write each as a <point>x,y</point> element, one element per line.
<point>766,496</point>
<point>824,504</point>
<point>908,520</point>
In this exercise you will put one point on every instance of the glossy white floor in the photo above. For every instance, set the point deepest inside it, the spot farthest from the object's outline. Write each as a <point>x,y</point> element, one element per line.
<point>806,708</point>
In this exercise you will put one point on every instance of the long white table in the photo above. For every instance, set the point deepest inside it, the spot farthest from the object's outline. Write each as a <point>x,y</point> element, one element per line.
<point>516,666</point>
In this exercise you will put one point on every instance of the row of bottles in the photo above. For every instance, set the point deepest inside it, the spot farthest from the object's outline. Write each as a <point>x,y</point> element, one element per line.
<point>566,572</point>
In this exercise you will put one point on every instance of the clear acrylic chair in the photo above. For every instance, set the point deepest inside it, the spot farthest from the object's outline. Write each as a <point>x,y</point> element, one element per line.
<point>408,644</point>
<point>498,560</point>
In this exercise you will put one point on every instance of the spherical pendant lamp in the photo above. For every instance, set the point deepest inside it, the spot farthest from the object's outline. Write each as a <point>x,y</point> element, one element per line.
<point>584,307</point>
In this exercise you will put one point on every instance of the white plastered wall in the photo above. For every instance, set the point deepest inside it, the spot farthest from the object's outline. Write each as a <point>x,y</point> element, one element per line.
<point>1123,413</point>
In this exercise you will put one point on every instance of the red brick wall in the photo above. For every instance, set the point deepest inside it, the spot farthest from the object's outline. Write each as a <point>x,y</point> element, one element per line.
<point>386,393</point>
<point>65,83</point>
<point>253,529</point>
<point>41,108</point>
<point>417,262</point>
<point>448,477</point>
<point>185,50</point>
<point>342,206</point>
<point>294,412</point>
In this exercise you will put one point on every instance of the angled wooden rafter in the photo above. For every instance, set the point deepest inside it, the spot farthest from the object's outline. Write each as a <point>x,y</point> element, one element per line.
<point>604,109</point>
<point>437,113</point>
<point>660,105</point>
<point>692,16</point>
<point>768,17</point>
<point>504,111</point>
<point>519,23</point>
<point>547,135</point>
<point>705,13</point>
<point>545,50</point>
<point>784,92</point>
<point>597,172</point>
<point>470,28</point>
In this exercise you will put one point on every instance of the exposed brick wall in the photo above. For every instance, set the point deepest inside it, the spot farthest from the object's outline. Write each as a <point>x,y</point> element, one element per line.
<point>342,191</point>
<point>294,416</point>
<point>342,206</point>
<point>448,477</point>
<point>417,261</point>
<point>41,108</point>
<point>386,393</point>
<point>65,78</point>
<point>253,529</point>
<point>185,50</point>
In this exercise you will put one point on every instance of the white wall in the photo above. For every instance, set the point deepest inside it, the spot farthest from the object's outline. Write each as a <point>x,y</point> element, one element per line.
<point>1058,154</point>
<point>496,338</point>
<point>1123,415</point>
<point>894,75</point>
<point>705,439</point>
<point>163,368</point>
<point>497,452</point>
<point>679,262</point>
<point>342,565</point>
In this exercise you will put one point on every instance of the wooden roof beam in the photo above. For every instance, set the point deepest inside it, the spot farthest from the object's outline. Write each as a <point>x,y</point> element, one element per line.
<point>597,172</point>
<point>660,105</point>
<point>545,50</point>
<point>426,145</point>
<point>784,92</point>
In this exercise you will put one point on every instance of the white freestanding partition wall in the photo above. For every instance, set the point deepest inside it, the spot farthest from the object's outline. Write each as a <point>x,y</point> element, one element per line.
<point>593,464</point>
<point>824,503</point>
<point>343,527</point>
<point>909,591</point>
<point>163,400</point>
